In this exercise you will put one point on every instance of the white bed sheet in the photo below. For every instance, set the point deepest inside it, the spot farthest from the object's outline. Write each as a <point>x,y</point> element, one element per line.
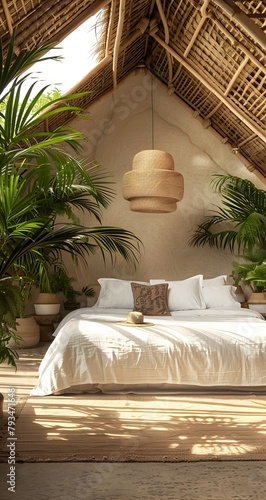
<point>203,348</point>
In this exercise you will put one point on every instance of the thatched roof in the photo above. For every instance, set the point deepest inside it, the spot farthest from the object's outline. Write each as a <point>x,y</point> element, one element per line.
<point>210,53</point>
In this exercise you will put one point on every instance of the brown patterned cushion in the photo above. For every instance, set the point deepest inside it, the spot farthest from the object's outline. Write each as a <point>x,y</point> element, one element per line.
<point>151,300</point>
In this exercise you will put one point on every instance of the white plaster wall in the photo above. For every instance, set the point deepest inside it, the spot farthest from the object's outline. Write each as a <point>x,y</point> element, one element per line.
<point>118,128</point>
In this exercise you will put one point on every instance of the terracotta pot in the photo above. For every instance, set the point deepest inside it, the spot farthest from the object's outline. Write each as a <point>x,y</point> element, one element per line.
<point>42,309</point>
<point>46,298</point>
<point>46,304</point>
<point>29,332</point>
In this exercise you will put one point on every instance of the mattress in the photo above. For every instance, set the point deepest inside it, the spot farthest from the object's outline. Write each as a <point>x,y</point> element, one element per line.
<point>211,348</point>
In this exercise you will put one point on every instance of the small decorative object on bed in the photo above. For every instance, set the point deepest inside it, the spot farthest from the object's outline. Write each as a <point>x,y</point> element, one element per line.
<point>135,319</point>
<point>222,346</point>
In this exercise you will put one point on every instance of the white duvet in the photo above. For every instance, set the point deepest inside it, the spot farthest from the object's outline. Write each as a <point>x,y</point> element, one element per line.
<point>206,348</point>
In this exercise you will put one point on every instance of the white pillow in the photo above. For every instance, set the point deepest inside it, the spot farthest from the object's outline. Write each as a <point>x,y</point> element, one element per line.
<point>115,293</point>
<point>219,297</point>
<point>218,281</point>
<point>185,294</point>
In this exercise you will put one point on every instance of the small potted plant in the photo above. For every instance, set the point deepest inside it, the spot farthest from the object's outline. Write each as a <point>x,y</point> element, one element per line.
<point>11,304</point>
<point>11,307</point>
<point>53,283</point>
<point>253,273</point>
<point>89,293</point>
<point>26,327</point>
<point>72,294</point>
<point>71,303</point>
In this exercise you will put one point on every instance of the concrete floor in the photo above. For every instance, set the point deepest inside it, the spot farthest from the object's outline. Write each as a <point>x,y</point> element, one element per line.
<point>136,481</point>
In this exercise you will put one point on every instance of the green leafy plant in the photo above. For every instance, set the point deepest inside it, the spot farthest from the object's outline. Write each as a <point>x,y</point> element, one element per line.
<point>11,305</point>
<point>41,184</point>
<point>240,224</point>
<point>72,295</point>
<point>241,227</point>
<point>88,291</point>
<point>252,270</point>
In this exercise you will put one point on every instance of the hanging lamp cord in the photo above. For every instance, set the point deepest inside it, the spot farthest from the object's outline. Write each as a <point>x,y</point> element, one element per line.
<point>152,115</point>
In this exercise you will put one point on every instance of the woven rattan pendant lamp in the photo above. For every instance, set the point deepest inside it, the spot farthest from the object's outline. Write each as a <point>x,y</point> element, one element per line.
<point>152,186</point>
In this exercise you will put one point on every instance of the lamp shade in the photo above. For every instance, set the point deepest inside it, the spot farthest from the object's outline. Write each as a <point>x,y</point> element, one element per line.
<point>152,185</point>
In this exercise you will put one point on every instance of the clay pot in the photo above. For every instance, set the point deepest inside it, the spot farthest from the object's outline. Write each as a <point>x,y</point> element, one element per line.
<point>29,332</point>
<point>46,304</point>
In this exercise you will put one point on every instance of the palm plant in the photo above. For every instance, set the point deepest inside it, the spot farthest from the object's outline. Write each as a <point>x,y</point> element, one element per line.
<point>253,270</point>
<point>11,305</point>
<point>243,213</point>
<point>42,187</point>
<point>32,238</point>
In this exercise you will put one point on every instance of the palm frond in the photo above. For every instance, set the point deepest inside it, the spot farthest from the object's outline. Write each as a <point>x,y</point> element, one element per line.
<point>243,212</point>
<point>41,183</point>
<point>15,63</point>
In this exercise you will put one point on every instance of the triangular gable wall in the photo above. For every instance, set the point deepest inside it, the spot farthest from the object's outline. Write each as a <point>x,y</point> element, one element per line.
<point>119,126</point>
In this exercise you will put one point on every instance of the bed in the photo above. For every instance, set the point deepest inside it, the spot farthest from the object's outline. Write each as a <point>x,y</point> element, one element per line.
<point>200,347</point>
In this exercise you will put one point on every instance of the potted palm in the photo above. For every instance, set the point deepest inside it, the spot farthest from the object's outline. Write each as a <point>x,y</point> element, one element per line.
<point>42,184</point>
<point>11,306</point>
<point>27,329</point>
<point>50,285</point>
<point>89,293</point>
<point>73,296</point>
<point>240,224</point>
<point>252,271</point>
<point>71,303</point>
<point>59,282</point>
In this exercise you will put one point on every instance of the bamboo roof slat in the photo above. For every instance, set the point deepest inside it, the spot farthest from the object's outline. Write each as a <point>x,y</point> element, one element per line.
<point>207,56</point>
